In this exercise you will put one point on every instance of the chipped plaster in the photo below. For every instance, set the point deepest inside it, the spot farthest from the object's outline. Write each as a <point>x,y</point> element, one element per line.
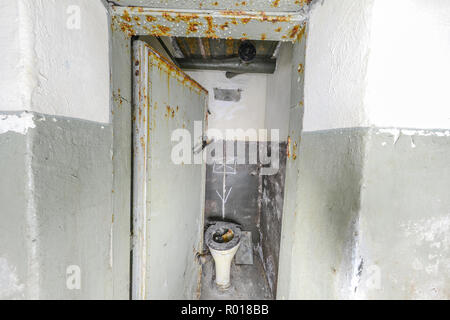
<point>16,123</point>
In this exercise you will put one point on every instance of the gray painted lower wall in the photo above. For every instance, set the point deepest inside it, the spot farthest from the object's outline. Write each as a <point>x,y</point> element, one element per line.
<point>56,193</point>
<point>372,216</point>
<point>371,220</point>
<point>404,225</point>
<point>330,166</point>
<point>14,197</point>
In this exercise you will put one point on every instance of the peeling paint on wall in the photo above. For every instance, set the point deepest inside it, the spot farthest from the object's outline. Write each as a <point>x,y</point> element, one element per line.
<point>396,132</point>
<point>10,287</point>
<point>434,234</point>
<point>14,123</point>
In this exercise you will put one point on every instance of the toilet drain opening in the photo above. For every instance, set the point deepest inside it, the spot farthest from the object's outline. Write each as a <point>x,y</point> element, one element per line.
<point>223,235</point>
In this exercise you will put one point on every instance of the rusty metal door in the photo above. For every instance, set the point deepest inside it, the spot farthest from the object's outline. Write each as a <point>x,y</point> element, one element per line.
<point>168,198</point>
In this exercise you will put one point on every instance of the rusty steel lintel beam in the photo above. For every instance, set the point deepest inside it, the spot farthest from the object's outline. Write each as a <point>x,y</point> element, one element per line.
<point>244,5</point>
<point>235,65</point>
<point>275,26</point>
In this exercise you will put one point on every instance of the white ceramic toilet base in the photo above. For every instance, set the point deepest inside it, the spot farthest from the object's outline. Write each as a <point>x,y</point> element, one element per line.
<point>223,252</point>
<point>222,260</point>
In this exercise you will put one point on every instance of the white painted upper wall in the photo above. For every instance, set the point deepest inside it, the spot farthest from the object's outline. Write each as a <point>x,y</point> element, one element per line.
<point>378,63</point>
<point>409,67</point>
<point>248,113</point>
<point>57,58</point>
<point>336,64</point>
<point>10,60</point>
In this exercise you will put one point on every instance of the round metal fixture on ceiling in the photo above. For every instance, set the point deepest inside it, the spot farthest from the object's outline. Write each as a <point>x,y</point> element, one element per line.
<point>247,51</point>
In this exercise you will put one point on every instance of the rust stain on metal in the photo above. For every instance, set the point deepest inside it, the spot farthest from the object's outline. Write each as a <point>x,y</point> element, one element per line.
<point>210,33</point>
<point>164,30</point>
<point>193,27</point>
<point>207,47</point>
<point>224,26</point>
<point>288,147</point>
<point>294,32</point>
<point>294,153</point>
<point>301,68</point>
<point>170,112</point>
<point>229,43</point>
<point>168,17</point>
<point>301,33</point>
<point>126,16</point>
<point>193,45</point>
<point>127,29</point>
<point>167,23</point>
<point>177,73</point>
<point>276,3</point>
<point>257,16</point>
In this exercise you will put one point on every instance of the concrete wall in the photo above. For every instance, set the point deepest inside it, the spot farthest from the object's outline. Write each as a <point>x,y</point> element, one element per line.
<point>371,214</point>
<point>58,214</point>
<point>65,200</point>
<point>247,113</point>
<point>66,80</point>
<point>404,221</point>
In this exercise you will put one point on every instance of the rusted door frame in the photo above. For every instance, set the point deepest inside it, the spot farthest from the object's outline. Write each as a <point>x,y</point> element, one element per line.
<point>127,22</point>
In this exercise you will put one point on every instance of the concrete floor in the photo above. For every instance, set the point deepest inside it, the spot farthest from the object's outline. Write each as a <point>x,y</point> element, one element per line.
<point>248,282</point>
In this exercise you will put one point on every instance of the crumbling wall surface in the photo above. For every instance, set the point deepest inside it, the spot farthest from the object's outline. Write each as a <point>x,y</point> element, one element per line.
<point>403,247</point>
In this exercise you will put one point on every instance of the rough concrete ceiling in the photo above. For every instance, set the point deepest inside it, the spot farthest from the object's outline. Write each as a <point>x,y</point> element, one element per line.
<point>240,5</point>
